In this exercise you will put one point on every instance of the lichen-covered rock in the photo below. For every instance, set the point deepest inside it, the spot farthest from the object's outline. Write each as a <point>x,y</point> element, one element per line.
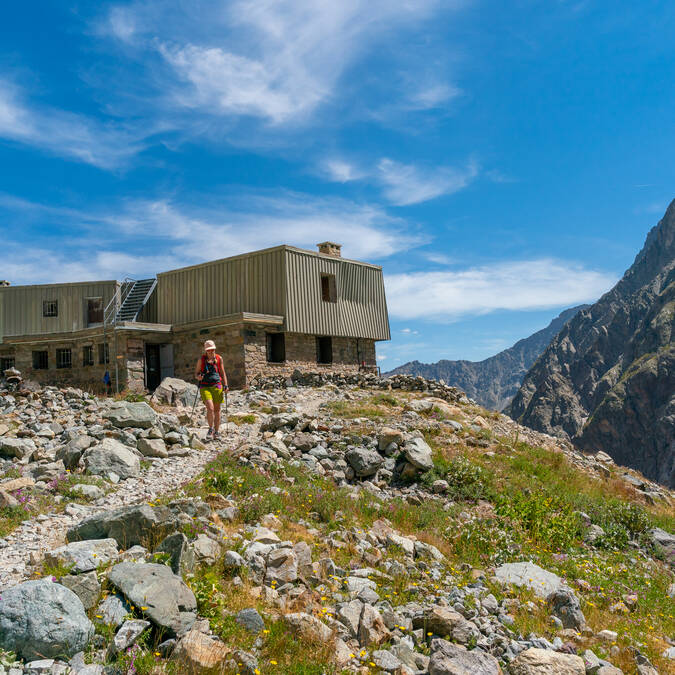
<point>535,661</point>
<point>42,619</point>
<point>450,659</point>
<point>111,458</point>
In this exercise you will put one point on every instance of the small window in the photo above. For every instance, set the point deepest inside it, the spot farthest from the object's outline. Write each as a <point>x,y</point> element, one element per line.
<point>6,362</point>
<point>328,288</point>
<point>324,349</point>
<point>41,360</point>
<point>276,347</point>
<point>94,310</point>
<point>103,353</point>
<point>88,355</point>
<point>64,358</point>
<point>50,308</point>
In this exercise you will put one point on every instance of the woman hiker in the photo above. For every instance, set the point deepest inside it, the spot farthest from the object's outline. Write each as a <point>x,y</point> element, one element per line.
<point>212,382</point>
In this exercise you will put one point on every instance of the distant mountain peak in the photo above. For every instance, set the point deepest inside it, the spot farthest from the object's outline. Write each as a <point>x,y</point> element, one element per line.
<point>493,381</point>
<point>607,381</point>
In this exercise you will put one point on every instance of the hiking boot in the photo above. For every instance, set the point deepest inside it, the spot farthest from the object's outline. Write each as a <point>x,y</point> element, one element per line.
<point>210,433</point>
<point>216,436</point>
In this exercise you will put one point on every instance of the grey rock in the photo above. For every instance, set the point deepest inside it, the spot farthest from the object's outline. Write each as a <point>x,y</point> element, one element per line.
<point>419,454</point>
<point>111,457</point>
<point>182,560</point>
<point>173,391</point>
<point>532,576</point>
<point>451,659</point>
<point>84,556</point>
<point>21,448</point>
<point>113,610</point>
<point>364,461</point>
<point>168,602</point>
<point>124,414</point>
<point>206,550</point>
<point>87,491</point>
<point>85,586</point>
<point>129,525</point>
<point>127,635</point>
<point>71,453</point>
<point>386,661</point>
<point>232,560</point>
<point>42,619</point>
<point>250,620</point>
<point>565,605</point>
<point>152,447</point>
<point>282,566</point>
<point>664,542</point>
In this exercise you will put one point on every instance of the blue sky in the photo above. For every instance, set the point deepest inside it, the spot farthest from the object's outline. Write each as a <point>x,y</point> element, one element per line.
<point>501,161</point>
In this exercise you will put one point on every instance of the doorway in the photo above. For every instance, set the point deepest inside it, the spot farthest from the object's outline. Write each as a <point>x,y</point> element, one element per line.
<point>153,372</point>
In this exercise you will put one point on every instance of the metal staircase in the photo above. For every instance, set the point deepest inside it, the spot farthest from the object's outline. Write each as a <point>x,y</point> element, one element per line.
<point>135,300</point>
<point>125,306</point>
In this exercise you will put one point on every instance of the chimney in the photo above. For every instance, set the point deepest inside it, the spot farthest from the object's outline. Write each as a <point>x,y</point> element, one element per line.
<point>6,283</point>
<point>330,248</point>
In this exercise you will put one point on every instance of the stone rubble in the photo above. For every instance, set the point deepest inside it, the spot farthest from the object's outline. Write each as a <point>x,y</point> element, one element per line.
<point>142,454</point>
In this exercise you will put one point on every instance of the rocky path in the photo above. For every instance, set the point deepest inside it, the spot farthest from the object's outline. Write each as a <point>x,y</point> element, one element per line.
<point>47,531</point>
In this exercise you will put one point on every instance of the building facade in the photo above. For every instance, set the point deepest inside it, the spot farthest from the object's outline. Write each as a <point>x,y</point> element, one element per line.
<point>269,312</point>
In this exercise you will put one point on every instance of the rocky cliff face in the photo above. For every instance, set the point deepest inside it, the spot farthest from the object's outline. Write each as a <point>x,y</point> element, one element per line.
<point>494,381</point>
<point>607,380</point>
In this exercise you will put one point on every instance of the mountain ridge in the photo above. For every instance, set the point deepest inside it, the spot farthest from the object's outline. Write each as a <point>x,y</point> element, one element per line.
<point>607,380</point>
<point>493,381</point>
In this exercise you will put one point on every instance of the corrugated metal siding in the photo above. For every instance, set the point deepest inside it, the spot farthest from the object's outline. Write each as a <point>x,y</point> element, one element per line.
<point>252,283</point>
<point>361,307</point>
<point>149,312</point>
<point>22,307</point>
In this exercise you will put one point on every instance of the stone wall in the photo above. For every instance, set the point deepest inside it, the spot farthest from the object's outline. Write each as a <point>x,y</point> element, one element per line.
<point>188,346</point>
<point>348,353</point>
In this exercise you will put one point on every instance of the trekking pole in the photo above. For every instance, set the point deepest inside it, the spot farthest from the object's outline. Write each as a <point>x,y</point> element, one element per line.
<point>194,405</point>
<point>227,417</point>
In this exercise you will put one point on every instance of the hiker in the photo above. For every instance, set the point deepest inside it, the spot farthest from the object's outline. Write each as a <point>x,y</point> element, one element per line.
<point>210,373</point>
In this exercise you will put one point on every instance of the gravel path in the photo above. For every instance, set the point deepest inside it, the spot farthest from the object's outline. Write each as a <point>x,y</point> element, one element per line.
<point>47,531</point>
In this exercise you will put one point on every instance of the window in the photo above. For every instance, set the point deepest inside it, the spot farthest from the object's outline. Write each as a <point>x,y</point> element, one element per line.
<point>88,355</point>
<point>50,308</point>
<point>6,362</point>
<point>276,347</point>
<point>328,288</point>
<point>324,349</point>
<point>64,358</point>
<point>94,310</point>
<point>41,360</point>
<point>103,353</point>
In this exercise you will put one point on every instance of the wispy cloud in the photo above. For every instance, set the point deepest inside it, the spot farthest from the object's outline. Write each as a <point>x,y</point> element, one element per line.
<point>277,61</point>
<point>405,184</point>
<point>340,171</point>
<point>518,285</point>
<point>180,233</point>
<point>63,133</point>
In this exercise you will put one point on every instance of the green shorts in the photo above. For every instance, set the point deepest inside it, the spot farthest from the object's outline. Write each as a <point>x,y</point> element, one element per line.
<point>214,394</point>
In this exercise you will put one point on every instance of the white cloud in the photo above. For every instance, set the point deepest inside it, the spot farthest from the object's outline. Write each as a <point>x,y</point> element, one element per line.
<point>405,184</point>
<point>176,234</point>
<point>341,171</point>
<point>433,96</point>
<point>276,60</point>
<point>63,133</point>
<point>519,285</point>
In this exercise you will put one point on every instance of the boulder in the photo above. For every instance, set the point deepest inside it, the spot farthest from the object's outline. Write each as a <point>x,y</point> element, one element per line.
<point>71,453</point>
<point>450,659</point>
<point>282,566</point>
<point>152,447</point>
<point>206,550</point>
<point>419,454</point>
<point>308,626</point>
<point>364,461</point>
<point>546,662</point>
<point>85,586</point>
<point>21,448</point>
<point>663,541</point>
<point>387,436</point>
<point>161,595</point>
<point>128,526</point>
<point>251,620</point>
<point>565,605</point>
<point>112,610</point>
<point>372,629</point>
<point>111,457</point>
<point>448,623</point>
<point>532,576</point>
<point>197,653</point>
<point>182,556</point>
<point>176,392</point>
<point>83,556</point>
<point>127,635</point>
<point>41,619</point>
<point>124,414</point>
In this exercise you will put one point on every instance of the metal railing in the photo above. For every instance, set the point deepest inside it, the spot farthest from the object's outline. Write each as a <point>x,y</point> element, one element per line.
<point>110,319</point>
